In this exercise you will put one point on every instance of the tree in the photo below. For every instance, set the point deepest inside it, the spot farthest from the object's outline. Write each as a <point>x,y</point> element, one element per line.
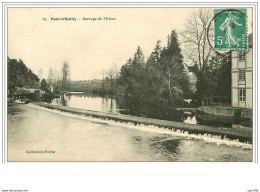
<point>161,81</point>
<point>133,80</point>
<point>221,88</point>
<point>65,71</point>
<point>198,50</point>
<point>19,75</point>
<point>50,76</point>
<point>153,69</point>
<point>125,79</point>
<point>133,73</point>
<point>40,73</point>
<point>171,72</point>
<point>137,74</point>
<point>44,85</point>
<point>112,75</point>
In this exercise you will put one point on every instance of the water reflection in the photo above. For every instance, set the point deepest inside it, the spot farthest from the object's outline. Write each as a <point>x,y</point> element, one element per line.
<point>156,109</point>
<point>88,101</point>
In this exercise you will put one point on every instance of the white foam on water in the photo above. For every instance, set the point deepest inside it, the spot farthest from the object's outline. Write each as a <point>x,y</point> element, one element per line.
<point>151,128</point>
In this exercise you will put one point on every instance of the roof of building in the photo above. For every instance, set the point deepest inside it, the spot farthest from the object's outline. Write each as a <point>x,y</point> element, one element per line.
<point>22,92</point>
<point>25,91</point>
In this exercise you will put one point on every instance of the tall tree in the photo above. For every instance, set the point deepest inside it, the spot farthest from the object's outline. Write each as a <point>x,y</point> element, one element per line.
<point>50,79</point>
<point>172,72</point>
<point>40,73</point>
<point>138,73</point>
<point>221,89</point>
<point>132,73</point>
<point>112,75</point>
<point>153,69</point>
<point>198,52</point>
<point>133,79</point>
<point>44,85</point>
<point>158,85</point>
<point>65,71</point>
<point>125,78</point>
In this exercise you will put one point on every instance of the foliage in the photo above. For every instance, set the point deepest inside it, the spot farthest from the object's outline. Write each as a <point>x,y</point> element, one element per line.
<point>199,51</point>
<point>19,75</point>
<point>160,82</point>
<point>222,74</point>
<point>212,71</point>
<point>112,78</point>
<point>92,86</point>
<point>65,72</point>
<point>44,85</point>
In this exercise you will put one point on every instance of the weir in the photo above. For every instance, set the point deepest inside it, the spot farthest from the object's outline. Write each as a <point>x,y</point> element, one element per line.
<point>231,133</point>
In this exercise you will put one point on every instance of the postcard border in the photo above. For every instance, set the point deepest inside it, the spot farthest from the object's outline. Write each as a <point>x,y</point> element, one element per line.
<point>6,5</point>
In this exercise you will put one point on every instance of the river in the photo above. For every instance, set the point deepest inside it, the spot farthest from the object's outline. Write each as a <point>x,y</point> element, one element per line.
<point>110,104</point>
<point>40,134</point>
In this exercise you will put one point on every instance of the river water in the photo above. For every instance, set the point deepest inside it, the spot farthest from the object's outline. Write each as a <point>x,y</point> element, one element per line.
<point>108,103</point>
<point>40,134</point>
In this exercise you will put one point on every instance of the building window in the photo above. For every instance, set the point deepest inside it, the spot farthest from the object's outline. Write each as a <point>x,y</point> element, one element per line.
<point>242,95</point>
<point>241,55</point>
<point>242,74</point>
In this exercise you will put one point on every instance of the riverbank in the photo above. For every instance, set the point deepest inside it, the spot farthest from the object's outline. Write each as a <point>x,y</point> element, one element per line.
<point>231,133</point>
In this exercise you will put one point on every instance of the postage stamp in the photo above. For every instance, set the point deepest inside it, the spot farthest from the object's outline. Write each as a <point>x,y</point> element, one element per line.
<point>230,29</point>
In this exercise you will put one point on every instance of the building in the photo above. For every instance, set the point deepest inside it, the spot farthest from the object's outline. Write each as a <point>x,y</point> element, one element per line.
<point>24,94</point>
<point>50,88</point>
<point>242,77</point>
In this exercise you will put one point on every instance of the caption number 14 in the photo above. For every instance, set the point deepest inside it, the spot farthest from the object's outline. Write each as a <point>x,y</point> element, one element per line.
<point>220,40</point>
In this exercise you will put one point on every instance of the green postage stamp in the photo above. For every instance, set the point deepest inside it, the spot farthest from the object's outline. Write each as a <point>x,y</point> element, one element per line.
<point>230,29</point>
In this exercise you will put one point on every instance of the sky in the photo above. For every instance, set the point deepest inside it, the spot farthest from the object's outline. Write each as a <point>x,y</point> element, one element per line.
<point>42,40</point>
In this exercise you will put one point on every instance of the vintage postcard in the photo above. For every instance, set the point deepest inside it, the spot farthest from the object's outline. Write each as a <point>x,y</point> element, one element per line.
<point>128,84</point>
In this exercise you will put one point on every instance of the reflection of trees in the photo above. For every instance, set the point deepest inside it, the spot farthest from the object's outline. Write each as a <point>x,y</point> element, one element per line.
<point>221,121</point>
<point>152,108</point>
<point>63,100</point>
<point>170,146</point>
<point>108,102</point>
<point>214,120</point>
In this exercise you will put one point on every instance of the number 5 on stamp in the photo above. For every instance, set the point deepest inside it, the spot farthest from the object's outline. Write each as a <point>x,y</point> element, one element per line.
<point>230,29</point>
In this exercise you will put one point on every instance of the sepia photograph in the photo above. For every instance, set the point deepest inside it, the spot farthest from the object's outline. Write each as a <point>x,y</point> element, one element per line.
<point>130,84</point>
